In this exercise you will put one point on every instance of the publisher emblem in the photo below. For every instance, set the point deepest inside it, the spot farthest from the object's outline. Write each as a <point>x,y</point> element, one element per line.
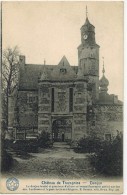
<point>12,184</point>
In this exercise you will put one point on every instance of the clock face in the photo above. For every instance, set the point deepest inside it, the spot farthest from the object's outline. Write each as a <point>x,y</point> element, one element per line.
<point>85,36</point>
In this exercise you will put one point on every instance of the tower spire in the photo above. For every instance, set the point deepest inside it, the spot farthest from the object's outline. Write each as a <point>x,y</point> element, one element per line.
<point>86,12</point>
<point>103,70</point>
<point>44,61</point>
<point>103,81</point>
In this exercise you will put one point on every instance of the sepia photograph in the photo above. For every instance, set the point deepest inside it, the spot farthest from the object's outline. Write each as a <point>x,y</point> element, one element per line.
<point>62,97</point>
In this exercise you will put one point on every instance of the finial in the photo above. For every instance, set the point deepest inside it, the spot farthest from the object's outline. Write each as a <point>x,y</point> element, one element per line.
<point>103,70</point>
<point>44,61</point>
<point>86,11</point>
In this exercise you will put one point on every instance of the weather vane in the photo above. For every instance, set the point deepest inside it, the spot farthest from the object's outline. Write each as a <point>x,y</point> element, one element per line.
<point>103,71</point>
<point>44,61</point>
<point>86,11</point>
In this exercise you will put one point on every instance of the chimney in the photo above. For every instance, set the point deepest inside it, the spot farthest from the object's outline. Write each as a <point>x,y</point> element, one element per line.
<point>22,61</point>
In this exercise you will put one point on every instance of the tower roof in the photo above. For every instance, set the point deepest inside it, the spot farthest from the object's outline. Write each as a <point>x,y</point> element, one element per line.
<point>103,81</point>
<point>88,26</point>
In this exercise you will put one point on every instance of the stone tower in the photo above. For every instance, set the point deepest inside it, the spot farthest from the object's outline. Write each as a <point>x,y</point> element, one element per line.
<point>103,83</point>
<point>44,105</point>
<point>88,57</point>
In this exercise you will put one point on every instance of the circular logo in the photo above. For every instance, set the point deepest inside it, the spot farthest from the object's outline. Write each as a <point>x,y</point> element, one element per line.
<point>12,184</point>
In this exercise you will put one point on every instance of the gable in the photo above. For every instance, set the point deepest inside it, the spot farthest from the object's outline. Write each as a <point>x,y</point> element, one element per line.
<point>63,71</point>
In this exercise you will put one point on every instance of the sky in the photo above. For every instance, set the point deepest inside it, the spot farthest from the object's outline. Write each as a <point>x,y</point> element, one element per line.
<point>49,30</point>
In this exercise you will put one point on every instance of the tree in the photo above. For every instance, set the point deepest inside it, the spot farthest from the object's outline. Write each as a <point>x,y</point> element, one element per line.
<point>10,69</point>
<point>109,159</point>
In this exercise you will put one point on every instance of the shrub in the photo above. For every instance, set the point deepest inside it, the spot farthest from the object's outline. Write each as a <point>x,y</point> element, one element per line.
<point>88,145</point>
<point>25,145</point>
<point>32,145</point>
<point>109,159</point>
<point>44,140</point>
<point>8,143</point>
<point>6,159</point>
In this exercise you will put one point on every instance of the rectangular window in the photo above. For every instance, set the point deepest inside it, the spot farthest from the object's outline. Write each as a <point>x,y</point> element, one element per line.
<point>71,100</point>
<point>52,102</point>
<point>31,98</point>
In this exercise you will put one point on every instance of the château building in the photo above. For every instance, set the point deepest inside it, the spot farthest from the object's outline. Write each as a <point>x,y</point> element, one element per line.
<point>69,102</point>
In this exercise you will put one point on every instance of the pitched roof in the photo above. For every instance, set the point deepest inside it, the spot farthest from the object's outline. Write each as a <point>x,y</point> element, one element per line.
<point>30,74</point>
<point>88,26</point>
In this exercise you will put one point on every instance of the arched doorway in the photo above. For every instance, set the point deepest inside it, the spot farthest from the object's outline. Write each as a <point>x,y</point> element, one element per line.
<point>61,129</point>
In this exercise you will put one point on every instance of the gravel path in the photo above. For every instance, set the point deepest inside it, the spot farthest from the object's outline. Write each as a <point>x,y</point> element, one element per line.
<point>58,162</point>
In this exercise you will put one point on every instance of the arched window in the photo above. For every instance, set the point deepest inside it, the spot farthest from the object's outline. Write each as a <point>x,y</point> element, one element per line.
<point>63,70</point>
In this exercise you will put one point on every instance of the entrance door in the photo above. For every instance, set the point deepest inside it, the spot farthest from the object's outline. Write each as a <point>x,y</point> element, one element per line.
<point>62,137</point>
<point>61,129</point>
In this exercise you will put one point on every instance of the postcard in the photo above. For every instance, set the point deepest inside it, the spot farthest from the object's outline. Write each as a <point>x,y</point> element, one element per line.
<point>62,97</point>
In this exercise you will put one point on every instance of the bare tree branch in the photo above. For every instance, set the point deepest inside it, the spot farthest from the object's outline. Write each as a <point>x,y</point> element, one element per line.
<point>10,70</point>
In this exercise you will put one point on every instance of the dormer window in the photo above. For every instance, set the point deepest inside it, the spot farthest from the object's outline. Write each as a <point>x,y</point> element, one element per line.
<point>63,70</point>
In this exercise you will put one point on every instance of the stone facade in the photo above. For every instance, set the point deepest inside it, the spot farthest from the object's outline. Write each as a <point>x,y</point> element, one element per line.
<point>69,102</point>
